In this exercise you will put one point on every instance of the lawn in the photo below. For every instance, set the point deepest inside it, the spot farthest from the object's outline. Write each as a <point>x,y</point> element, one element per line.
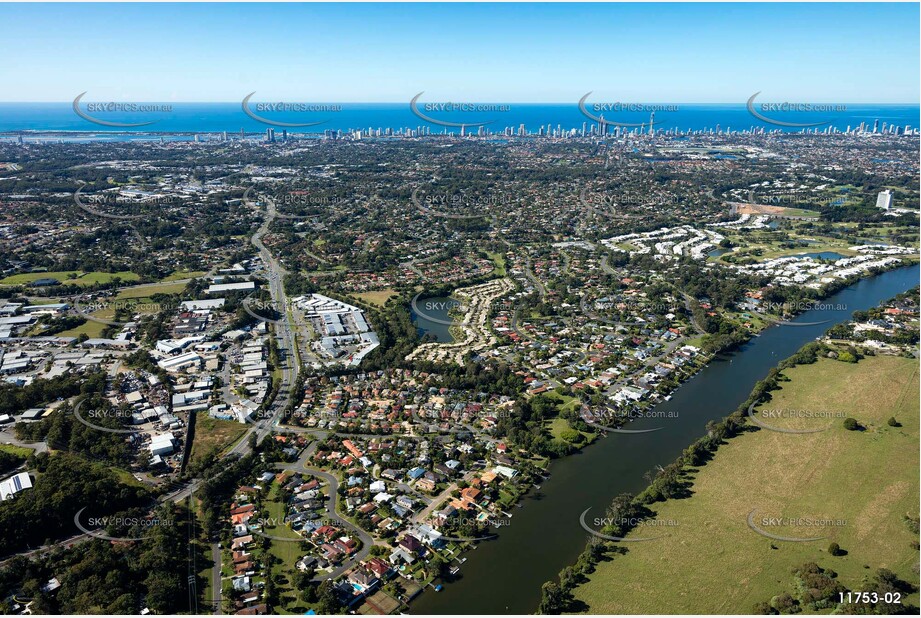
<point>17,451</point>
<point>557,426</point>
<point>567,402</point>
<point>126,478</point>
<point>287,553</point>
<point>712,562</point>
<point>148,289</point>
<point>212,433</point>
<point>82,278</point>
<point>378,297</point>
<point>696,341</point>
<point>183,274</point>
<point>499,260</point>
<point>90,328</point>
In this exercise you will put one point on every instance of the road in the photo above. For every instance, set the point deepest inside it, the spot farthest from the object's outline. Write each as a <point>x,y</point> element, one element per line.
<point>533,278</point>
<point>286,342</point>
<point>216,579</point>
<point>607,267</point>
<point>7,437</point>
<point>367,542</point>
<point>422,515</point>
<point>687,305</point>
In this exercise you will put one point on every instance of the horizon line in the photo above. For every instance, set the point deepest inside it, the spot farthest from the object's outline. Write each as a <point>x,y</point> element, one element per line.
<point>406,102</point>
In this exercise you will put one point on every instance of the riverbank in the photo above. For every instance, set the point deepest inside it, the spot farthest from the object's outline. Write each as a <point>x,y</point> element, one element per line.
<point>547,527</point>
<point>852,488</point>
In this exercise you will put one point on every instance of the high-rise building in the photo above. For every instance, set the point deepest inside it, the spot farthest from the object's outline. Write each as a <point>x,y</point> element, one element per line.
<point>884,199</point>
<point>876,126</point>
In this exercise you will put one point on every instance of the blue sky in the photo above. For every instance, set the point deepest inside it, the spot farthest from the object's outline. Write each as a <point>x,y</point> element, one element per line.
<point>687,53</point>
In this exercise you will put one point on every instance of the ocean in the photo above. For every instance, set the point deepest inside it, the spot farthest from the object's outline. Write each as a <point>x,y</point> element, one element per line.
<point>215,118</point>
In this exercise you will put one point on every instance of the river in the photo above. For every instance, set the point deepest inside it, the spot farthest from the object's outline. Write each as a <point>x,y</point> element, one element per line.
<point>505,576</point>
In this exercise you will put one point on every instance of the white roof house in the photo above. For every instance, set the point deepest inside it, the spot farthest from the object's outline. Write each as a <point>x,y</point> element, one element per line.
<point>214,303</point>
<point>161,444</point>
<point>15,484</point>
<point>231,287</point>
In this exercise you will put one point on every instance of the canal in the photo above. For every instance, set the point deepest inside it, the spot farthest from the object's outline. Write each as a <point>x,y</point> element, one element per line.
<point>505,576</point>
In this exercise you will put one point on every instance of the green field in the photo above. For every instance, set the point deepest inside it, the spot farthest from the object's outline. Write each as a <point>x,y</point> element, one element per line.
<point>288,553</point>
<point>146,290</point>
<point>212,433</point>
<point>81,278</point>
<point>126,478</point>
<point>17,451</point>
<point>499,260</point>
<point>183,274</point>
<point>90,328</point>
<point>712,562</point>
<point>567,402</point>
<point>378,297</point>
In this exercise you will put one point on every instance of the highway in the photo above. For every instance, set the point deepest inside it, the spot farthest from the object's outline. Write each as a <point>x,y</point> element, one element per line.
<point>284,335</point>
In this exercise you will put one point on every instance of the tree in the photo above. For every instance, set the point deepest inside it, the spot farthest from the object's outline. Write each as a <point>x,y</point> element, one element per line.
<point>893,423</point>
<point>835,550</point>
<point>551,599</point>
<point>851,424</point>
<point>327,602</point>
